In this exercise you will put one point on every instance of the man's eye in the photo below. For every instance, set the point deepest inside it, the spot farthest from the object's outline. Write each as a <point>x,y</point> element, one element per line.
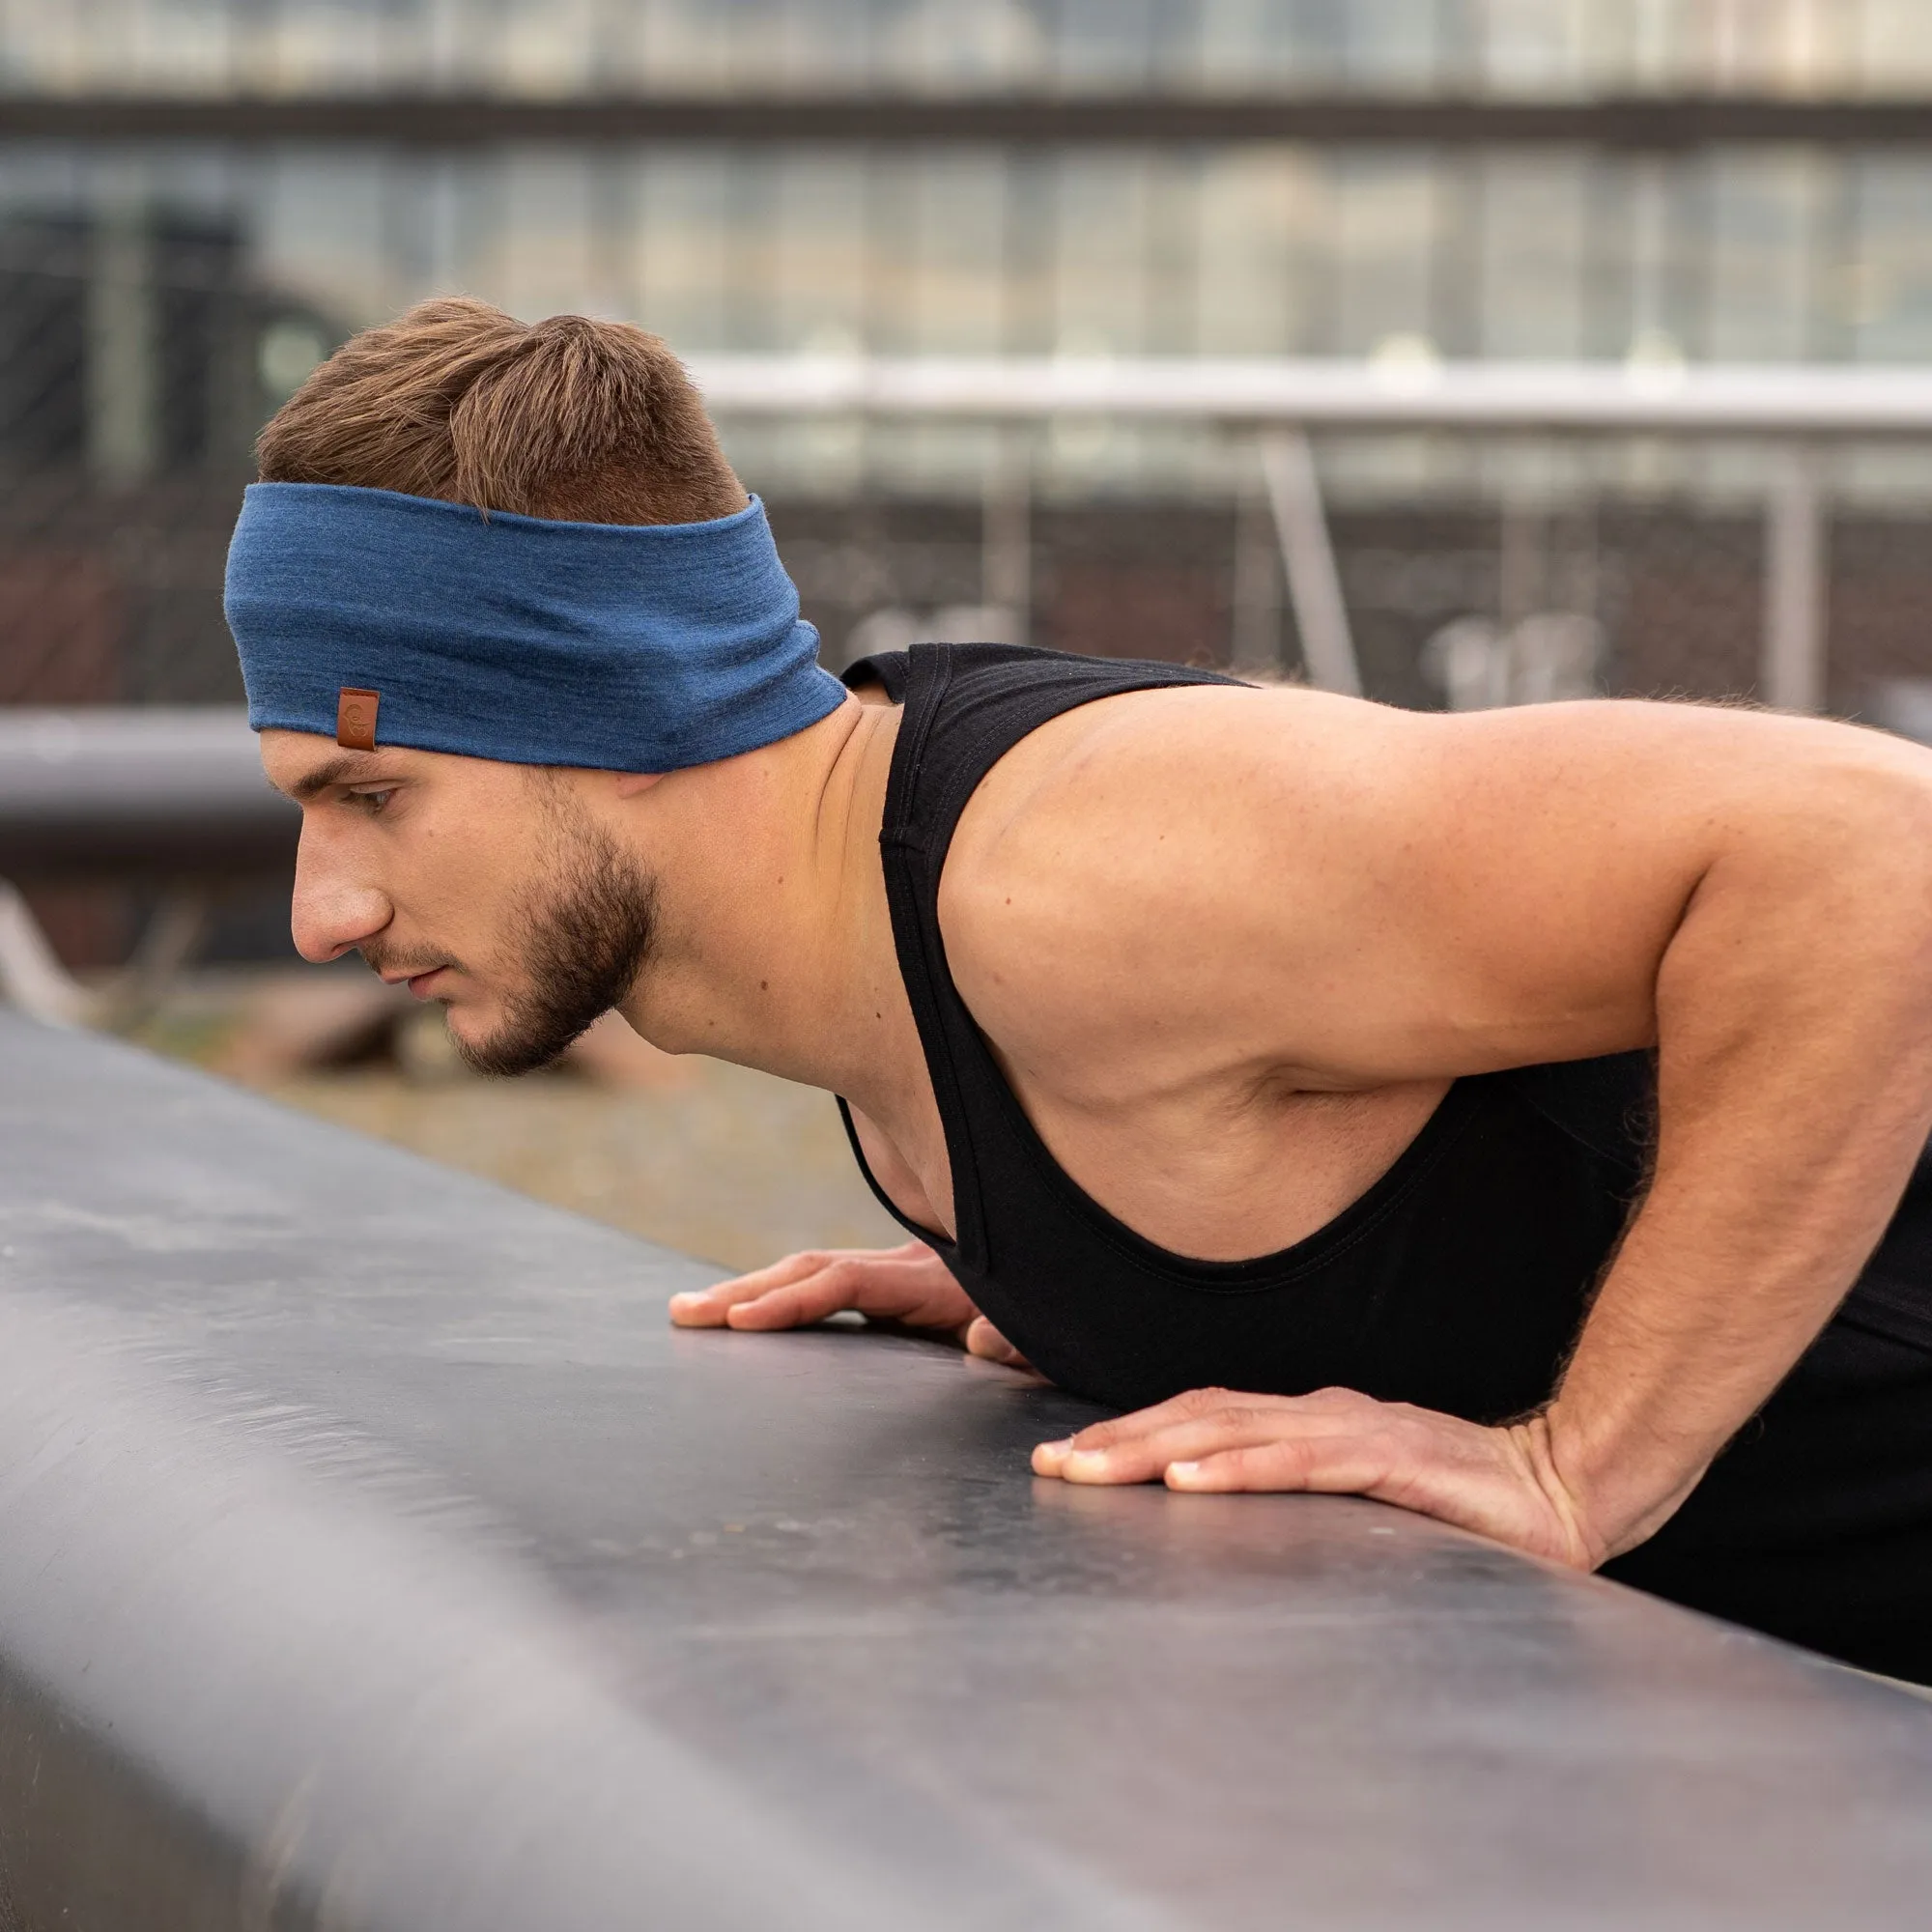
<point>372,801</point>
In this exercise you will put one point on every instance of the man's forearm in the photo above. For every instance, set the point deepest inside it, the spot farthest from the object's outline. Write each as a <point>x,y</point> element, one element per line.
<point>1795,1090</point>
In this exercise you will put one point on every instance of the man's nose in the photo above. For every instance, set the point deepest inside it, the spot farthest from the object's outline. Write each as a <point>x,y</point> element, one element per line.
<point>333,913</point>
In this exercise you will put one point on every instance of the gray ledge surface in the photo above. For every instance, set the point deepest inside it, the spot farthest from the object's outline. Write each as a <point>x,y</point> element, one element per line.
<point>373,1555</point>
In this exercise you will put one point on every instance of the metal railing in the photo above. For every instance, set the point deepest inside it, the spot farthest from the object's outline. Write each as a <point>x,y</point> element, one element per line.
<point>1791,414</point>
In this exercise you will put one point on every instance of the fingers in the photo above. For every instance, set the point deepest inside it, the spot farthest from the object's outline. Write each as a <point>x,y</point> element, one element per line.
<point>1202,1402</point>
<point>711,1307</point>
<point>906,1284</point>
<point>1132,1441</point>
<point>828,1290</point>
<point>986,1342</point>
<point>1143,1458</point>
<point>1333,1439</point>
<point>1337,1465</point>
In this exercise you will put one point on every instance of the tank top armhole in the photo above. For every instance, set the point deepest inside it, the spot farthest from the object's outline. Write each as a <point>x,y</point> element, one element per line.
<point>929,1235</point>
<point>925,794</point>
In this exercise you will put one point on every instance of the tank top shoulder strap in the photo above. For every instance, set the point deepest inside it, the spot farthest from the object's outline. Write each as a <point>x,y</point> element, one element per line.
<point>965,708</point>
<point>968,705</point>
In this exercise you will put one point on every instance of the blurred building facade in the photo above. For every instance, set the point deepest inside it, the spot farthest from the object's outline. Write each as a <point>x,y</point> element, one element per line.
<point>1701,247</point>
<point>197,197</point>
<point>942,46</point>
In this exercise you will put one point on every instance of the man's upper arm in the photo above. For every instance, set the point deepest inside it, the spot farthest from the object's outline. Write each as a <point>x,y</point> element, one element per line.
<point>1363,894</point>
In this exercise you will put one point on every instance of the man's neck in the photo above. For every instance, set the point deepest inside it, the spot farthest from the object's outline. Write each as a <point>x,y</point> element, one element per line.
<point>776,946</point>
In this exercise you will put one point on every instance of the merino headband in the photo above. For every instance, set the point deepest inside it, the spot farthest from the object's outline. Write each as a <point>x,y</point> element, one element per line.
<point>373,617</point>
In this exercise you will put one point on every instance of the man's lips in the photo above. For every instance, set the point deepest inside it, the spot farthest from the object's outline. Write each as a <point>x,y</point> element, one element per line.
<point>418,983</point>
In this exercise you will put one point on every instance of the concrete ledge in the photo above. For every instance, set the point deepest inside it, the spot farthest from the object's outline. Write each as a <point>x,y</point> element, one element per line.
<point>372,1555</point>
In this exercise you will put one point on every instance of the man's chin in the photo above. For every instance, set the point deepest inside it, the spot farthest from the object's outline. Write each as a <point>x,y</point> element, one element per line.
<point>503,1050</point>
<point>482,1040</point>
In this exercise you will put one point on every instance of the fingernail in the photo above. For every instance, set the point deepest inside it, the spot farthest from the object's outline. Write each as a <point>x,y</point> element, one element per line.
<point>1089,1461</point>
<point>1184,1472</point>
<point>688,1298</point>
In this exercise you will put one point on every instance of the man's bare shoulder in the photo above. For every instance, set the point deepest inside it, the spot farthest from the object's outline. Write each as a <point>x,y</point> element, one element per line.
<point>1111,854</point>
<point>1166,751</point>
<point>1093,785</point>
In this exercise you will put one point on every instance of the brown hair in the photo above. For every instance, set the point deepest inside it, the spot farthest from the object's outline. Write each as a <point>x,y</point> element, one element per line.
<point>592,421</point>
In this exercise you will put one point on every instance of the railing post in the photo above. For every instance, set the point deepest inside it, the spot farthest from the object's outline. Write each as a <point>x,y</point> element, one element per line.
<point>1307,562</point>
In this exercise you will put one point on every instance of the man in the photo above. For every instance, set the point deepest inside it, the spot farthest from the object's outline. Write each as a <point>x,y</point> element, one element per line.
<point>1549,1077</point>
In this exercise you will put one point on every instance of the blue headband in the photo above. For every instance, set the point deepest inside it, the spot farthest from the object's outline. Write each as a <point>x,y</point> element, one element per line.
<point>378,618</point>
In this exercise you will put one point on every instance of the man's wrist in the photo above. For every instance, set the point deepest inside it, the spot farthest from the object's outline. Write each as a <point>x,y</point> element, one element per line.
<point>1620,1485</point>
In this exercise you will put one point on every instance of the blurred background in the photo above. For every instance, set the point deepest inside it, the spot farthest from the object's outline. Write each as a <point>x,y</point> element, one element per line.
<point>200,198</point>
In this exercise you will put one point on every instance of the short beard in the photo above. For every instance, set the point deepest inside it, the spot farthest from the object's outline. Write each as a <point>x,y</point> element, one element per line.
<point>584,943</point>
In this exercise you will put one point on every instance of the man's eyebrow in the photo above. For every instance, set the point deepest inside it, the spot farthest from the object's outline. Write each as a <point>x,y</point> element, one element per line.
<point>337,771</point>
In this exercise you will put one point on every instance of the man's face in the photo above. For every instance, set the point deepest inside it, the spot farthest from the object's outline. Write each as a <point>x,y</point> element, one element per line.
<point>488,887</point>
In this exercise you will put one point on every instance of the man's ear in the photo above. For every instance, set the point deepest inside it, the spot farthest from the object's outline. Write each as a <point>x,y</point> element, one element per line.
<point>631,783</point>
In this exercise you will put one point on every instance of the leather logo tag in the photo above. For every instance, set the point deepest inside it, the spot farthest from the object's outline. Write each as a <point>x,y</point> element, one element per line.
<point>355,719</point>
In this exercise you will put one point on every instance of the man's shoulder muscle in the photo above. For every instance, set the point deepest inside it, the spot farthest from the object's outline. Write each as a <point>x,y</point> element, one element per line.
<point>1107,874</point>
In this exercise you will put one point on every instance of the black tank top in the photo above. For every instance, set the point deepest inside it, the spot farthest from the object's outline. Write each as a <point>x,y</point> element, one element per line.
<point>1457,1281</point>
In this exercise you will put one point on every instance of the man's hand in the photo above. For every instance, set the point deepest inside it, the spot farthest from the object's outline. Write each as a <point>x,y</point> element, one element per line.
<point>909,1284</point>
<point>1501,1483</point>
